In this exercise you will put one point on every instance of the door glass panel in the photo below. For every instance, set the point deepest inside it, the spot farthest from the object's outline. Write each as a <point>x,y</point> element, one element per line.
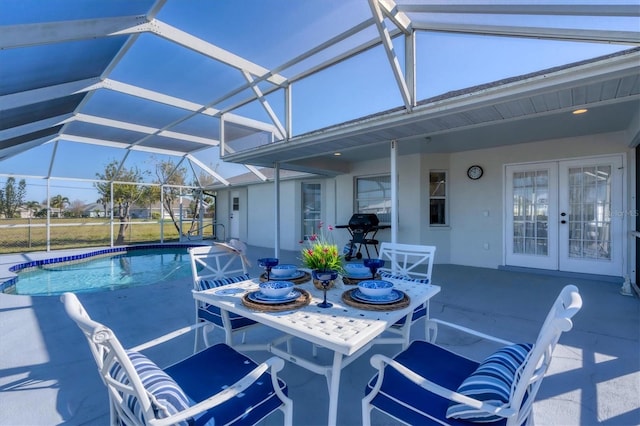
<point>311,209</point>
<point>590,212</point>
<point>531,212</point>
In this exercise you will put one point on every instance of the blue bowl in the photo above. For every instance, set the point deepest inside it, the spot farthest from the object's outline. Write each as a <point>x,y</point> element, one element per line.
<point>276,289</point>
<point>375,288</point>
<point>357,270</point>
<point>283,270</point>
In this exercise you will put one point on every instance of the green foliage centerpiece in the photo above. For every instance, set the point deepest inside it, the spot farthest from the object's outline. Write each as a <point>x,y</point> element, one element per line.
<point>321,253</point>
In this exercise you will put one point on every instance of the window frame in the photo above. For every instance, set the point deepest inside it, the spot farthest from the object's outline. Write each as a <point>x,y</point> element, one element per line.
<point>444,197</point>
<point>385,218</point>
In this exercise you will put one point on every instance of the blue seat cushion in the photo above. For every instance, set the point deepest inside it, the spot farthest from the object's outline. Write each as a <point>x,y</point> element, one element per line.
<point>214,369</point>
<point>404,400</point>
<point>491,382</point>
<point>169,397</point>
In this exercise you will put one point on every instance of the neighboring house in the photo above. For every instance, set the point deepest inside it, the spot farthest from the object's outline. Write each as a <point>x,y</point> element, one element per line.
<point>94,210</point>
<point>563,203</point>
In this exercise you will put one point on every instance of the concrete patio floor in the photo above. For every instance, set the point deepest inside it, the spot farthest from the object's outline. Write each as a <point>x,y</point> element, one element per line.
<point>47,375</point>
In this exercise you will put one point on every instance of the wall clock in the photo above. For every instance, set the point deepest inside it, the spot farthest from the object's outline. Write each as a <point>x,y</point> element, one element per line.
<point>475,172</point>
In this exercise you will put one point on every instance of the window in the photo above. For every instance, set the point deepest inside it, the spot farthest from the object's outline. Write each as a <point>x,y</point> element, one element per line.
<point>373,195</point>
<point>438,197</point>
<point>311,208</point>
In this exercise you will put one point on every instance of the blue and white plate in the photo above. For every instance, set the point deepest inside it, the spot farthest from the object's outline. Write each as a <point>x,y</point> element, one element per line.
<point>292,276</point>
<point>392,297</point>
<point>258,297</point>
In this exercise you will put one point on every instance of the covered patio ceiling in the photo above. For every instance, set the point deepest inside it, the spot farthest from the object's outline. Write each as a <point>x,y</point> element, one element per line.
<point>276,81</point>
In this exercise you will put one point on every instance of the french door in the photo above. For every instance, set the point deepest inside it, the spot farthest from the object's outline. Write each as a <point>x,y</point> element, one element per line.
<point>566,215</point>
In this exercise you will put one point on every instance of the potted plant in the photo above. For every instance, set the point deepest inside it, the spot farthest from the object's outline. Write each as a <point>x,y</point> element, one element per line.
<point>320,253</point>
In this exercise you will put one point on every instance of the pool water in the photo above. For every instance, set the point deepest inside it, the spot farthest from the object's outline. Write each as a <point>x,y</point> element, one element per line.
<point>130,269</point>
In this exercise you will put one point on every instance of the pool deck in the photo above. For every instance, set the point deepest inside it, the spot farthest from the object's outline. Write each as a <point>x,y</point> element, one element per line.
<point>47,375</point>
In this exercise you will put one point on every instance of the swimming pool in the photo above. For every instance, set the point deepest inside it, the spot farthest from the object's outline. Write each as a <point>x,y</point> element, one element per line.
<point>103,270</point>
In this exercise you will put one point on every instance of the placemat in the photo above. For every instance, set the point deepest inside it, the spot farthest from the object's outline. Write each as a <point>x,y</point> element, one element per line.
<point>303,279</point>
<point>400,304</point>
<point>356,281</point>
<point>303,300</point>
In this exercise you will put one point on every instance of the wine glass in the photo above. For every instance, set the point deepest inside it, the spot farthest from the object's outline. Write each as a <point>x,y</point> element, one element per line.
<point>373,265</point>
<point>325,277</point>
<point>267,263</point>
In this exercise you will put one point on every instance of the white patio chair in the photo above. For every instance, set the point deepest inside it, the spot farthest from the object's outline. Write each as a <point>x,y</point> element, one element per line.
<point>407,262</point>
<point>218,385</point>
<point>215,266</point>
<point>427,384</point>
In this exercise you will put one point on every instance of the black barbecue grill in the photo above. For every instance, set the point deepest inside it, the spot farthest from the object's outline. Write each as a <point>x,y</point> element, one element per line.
<point>363,228</point>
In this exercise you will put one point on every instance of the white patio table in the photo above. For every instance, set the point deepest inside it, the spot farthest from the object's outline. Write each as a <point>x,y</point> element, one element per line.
<point>347,331</point>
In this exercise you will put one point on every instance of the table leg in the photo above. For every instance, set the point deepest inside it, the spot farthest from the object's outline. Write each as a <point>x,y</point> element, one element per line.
<point>334,387</point>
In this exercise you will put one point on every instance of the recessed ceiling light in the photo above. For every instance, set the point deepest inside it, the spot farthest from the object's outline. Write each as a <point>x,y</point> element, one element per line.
<point>337,154</point>
<point>580,111</point>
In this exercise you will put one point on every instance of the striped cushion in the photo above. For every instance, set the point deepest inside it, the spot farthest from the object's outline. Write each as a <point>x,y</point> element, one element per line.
<point>167,397</point>
<point>491,383</point>
<point>403,277</point>
<point>207,284</point>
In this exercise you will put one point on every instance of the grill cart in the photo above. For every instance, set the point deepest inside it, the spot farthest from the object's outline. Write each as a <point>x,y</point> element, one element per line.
<point>363,228</point>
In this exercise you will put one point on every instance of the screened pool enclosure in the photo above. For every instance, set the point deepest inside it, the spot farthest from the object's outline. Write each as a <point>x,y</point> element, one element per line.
<point>120,120</point>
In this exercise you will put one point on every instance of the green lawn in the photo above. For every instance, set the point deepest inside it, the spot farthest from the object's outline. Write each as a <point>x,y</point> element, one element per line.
<point>16,236</point>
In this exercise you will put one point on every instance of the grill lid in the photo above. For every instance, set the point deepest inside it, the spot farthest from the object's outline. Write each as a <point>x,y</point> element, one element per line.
<point>363,221</point>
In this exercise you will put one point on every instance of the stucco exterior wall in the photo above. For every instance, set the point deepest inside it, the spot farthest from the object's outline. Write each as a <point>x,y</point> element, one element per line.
<point>474,234</point>
<point>477,207</point>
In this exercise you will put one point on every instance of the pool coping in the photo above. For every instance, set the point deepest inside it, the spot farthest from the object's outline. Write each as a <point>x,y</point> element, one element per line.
<point>9,270</point>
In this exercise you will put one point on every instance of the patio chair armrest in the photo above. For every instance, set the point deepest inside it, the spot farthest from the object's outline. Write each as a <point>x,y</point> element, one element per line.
<point>274,364</point>
<point>468,331</point>
<point>379,361</point>
<point>166,337</point>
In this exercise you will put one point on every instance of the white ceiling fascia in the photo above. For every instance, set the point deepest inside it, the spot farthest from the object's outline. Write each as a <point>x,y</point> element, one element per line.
<point>208,169</point>
<point>212,51</point>
<point>561,34</point>
<point>42,94</point>
<point>25,35</point>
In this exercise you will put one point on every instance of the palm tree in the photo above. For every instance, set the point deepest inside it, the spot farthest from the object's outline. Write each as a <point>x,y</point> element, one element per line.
<point>33,207</point>
<point>59,202</point>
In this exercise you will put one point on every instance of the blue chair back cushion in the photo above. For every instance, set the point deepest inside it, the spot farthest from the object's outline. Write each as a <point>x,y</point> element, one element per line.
<point>169,397</point>
<point>205,284</point>
<point>491,382</point>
